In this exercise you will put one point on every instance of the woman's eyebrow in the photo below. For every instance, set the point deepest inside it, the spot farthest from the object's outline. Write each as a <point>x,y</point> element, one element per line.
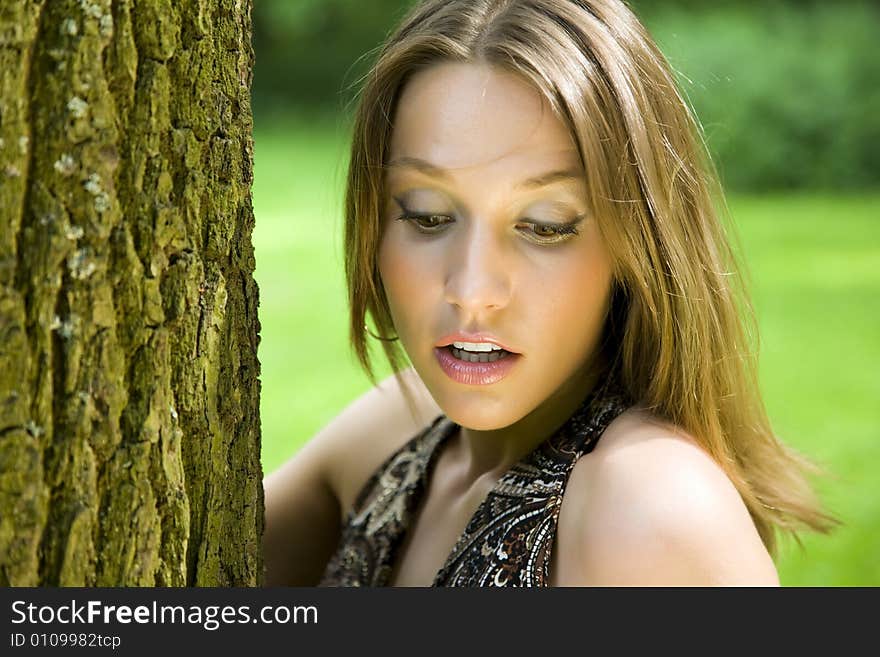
<point>541,180</point>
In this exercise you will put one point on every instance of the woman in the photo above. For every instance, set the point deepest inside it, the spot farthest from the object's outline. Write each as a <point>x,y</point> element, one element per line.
<point>530,217</point>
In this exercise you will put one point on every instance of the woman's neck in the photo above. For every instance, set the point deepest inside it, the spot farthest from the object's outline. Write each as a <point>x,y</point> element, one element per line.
<point>491,453</point>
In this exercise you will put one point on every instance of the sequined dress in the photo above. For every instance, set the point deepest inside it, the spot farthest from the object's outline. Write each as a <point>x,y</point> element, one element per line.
<point>507,541</point>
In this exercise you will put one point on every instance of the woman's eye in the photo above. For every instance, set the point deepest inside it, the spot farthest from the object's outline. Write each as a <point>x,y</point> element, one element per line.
<point>549,233</point>
<point>426,223</point>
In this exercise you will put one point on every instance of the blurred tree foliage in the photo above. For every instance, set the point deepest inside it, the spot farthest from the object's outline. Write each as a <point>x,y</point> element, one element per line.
<point>788,92</point>
<point>309,50</point>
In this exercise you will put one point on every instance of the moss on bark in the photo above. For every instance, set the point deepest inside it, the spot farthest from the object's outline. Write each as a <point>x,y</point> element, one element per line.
<point>129,389</point>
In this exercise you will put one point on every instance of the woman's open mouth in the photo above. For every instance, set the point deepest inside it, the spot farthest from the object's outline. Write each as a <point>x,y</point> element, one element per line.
<point>481,356</point>
<point>481,363</point>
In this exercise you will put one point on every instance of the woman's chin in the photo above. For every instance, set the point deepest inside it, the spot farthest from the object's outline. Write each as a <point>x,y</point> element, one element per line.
<point>479,408</point>
<point>481,415</point>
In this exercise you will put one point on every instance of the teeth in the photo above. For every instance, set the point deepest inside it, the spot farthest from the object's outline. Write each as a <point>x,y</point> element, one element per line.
<point>476,346</point>
<point>483,357</point>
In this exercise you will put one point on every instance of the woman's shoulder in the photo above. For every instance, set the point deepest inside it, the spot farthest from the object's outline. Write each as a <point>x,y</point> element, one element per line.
<point>649,506</point>
<point>370,429</point>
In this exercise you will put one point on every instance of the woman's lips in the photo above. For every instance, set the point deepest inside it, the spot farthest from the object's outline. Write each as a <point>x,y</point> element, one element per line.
<point>474,374</point>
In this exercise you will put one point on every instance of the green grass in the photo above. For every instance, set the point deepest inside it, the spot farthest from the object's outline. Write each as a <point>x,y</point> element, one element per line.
<point>815,267</point>
<point>814,263</point>
<point>308,374</point>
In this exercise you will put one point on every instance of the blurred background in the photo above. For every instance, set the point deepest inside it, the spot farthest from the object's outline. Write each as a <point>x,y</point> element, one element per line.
<point>789,97</point>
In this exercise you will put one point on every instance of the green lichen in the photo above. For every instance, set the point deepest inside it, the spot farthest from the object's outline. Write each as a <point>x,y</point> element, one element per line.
<point>129,452</point>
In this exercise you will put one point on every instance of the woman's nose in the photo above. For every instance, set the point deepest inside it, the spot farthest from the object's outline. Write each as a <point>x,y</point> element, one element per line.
<point>478,278</point>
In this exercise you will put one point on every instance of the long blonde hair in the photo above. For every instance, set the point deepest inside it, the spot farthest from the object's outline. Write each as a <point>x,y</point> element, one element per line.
<point>680,326</point>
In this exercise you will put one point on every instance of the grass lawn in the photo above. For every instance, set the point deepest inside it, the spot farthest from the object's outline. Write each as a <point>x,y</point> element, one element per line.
<point>814,262</point>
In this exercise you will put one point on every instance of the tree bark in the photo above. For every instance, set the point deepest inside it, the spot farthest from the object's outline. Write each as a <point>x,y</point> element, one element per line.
<point>129,389</point>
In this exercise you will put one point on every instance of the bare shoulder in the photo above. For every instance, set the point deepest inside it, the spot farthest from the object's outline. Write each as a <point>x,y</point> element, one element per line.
<point>650,507</point>
<point>356,442</point>
<point>306,495</point>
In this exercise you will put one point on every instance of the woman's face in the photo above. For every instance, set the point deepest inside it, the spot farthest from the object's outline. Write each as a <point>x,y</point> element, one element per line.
<point>488,243</point>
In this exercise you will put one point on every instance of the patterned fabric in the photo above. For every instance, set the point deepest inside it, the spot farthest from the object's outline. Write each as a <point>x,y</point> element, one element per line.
<point>507,542</point>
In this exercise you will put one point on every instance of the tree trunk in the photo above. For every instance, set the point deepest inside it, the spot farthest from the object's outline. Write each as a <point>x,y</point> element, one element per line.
<point>129,390</point>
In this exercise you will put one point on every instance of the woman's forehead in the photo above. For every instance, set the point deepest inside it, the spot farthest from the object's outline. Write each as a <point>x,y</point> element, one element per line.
<point>459,116</point>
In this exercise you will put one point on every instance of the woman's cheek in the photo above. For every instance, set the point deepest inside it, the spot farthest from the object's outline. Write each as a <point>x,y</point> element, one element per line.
<point>403,275</point>
<point>571,298</point>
